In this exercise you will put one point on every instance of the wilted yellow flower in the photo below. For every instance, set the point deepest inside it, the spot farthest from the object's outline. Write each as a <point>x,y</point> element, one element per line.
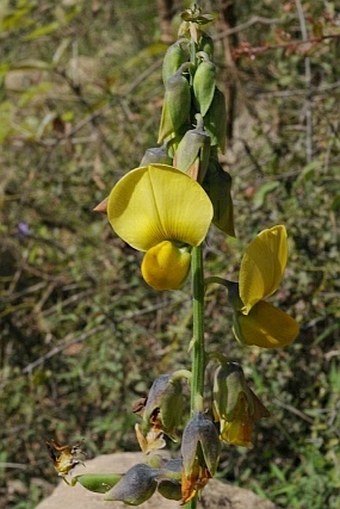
<point>163,212</point>
<point>200,450</point>
<point>239,430</point>
<point>64,457</point>
<point>257,322</point>
<point>235,406</point>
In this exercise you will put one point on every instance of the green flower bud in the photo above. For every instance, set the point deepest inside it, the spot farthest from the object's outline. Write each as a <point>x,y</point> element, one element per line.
<point>200,441</point>
<point>204,84</point>
<point>192,155</point>
<point>165,403</point>
<point>166,128</point>
<point>98,483</point>
<point>174,57</point>
<point>178,98</point>
<point>215,120</point>
<point>169,479</point>
<point>155,155</point>
<point>170,489</point>
<point>176,106</point>
<point>217,184</point>
<point>206,44</point>
<point>136,486</point>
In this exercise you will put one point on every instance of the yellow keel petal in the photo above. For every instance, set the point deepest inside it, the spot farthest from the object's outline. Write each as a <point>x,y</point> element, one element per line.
<point>165,266</point>
<point>265,326</point>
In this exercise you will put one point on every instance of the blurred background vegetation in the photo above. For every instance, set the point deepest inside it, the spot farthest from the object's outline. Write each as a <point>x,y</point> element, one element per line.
<point>82,336</point>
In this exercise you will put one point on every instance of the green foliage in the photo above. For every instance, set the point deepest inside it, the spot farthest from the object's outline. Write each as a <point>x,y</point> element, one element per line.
<point>80,92</point>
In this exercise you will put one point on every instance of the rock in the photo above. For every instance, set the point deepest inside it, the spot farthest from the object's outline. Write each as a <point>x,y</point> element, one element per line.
<point>216,495</point>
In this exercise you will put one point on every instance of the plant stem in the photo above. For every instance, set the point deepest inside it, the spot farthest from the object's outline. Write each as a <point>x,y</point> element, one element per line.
<point>198,352</point>
<point>197,344</point>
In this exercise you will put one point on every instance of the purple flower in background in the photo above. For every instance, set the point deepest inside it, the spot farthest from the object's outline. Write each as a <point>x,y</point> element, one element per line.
<point>23,229</point>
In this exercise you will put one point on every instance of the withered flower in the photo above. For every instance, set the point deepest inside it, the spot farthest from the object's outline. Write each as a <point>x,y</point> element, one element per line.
<point>200,452</point>
<point>235,406</point>
<point>64,457</point>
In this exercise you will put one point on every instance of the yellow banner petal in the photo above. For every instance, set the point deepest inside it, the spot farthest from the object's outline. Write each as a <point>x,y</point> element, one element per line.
<point>158,202</point>
<point>262,266</point>
<point>265,326</point>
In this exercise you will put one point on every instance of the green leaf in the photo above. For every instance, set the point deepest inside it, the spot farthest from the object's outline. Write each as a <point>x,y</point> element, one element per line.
<point>261,193</point>
<point>6,114</point>
<point>31,63</point>
<point>308,171</point>
<point>336,204</point>
<point>42,31</point>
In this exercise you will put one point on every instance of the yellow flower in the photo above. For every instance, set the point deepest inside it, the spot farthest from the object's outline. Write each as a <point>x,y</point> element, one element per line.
<point>257,322</point>
<point>163,212</point>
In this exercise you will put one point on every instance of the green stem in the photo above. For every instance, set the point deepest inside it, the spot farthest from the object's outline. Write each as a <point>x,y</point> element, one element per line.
<point>197,343</point>
<point>198,352</point>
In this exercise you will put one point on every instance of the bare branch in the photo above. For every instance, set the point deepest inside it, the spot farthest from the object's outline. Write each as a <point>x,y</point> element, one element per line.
<point>314,91</point>
<point>308,80</point>
<point>243,26</point>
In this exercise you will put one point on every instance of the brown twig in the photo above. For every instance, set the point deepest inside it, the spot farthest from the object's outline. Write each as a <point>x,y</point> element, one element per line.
<point>293,410</point>
<point>314,91</point>
<point>245,49</point>
<point>243,26</point>
<point>308,80</point>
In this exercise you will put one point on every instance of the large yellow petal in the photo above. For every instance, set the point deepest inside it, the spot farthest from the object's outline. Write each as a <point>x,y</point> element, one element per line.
<point>165,267</point>
<point>265,326</point>
<point>158,202</point>
<point>262,266</point>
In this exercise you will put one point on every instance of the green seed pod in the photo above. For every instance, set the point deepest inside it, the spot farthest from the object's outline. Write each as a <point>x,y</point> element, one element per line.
<point>99,483</point>
<point>178,99</point>
<point>217,184</point>
<point>215,120</point>
<point>174,57</point>
<point>204,84</point>
<point>136,486</point>
<point>156,155</point>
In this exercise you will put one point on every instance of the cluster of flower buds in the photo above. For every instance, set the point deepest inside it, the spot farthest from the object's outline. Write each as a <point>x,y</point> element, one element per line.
<point>142,480</point>
<point>193,120</point>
